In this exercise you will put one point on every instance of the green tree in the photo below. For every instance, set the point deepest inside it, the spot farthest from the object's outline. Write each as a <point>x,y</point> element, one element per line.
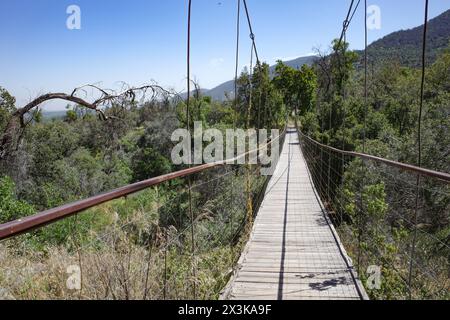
<point>10,207</point>
<point>297,86</point>
<point>342,63</point>
<point>259,100</point>
<point>149,163</point>
<point>7,106</point>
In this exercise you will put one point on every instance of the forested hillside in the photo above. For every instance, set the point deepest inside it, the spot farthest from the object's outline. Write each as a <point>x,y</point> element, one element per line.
<point>405,46</point>
<point>223,90</point>
<point>374,203</point>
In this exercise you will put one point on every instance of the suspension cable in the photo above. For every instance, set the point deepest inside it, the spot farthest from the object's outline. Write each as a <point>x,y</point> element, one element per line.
<point>346,22</point>
<point>254,48</point>
<point>238,22</point>
<point>419,142</point>
<point>354,11</point>
<point>236,96</point>
<point>191,213</point>
<point>363,167</point>
<point>348,19</point>
<point>344,111</point>
<point>248,180</point>
<point>188,56</point>
<point>365,75</point>
<point>252,35</point>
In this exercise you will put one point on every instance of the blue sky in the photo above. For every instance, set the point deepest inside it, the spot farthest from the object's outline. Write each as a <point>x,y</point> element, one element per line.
<point>139,40</point>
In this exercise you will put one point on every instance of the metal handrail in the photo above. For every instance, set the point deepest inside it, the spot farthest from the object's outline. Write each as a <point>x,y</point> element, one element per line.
<point>407,167</point>
<point>26,224</point>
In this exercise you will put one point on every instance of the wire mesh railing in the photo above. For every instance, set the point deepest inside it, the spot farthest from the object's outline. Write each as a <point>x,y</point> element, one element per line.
<point>371,201</point>
<point>137,242</point>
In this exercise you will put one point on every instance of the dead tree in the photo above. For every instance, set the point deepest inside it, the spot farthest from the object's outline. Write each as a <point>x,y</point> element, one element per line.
<point>10,138</point>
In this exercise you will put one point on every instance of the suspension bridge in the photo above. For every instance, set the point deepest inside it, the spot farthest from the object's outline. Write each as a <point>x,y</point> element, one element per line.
<point>294,252</point>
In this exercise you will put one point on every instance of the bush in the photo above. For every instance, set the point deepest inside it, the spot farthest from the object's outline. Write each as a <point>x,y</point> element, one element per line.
<point>10,207</point>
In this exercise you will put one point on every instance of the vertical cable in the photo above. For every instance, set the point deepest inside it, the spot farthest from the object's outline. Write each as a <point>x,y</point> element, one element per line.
<point>248,181</point>
<point>258,62</point>
<point>150,251</point>
<point>349,17</point>
<point>260,100</point>
<point>238,22</point>
<point>419,142</point>
<point>250,98</point>
<point>191,214</point>
<point>188,100</point>
<point>330,125</point>
<point>322,129</point>
<point>361,213</point>
<point>344,111</point>
<point>236,97</point>
<point>77,246</point>
<point>343,37</point>
<point>365,75</point>
<point>166,245</point>
<point>330,128</point>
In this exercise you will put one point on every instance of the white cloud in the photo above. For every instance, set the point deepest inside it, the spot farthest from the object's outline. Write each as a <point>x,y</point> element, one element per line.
<point>216,62</point>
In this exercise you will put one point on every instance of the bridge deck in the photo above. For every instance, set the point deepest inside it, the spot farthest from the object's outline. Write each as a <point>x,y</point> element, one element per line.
<point>293,252</point>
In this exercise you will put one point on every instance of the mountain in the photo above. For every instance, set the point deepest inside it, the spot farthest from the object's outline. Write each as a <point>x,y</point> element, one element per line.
<point>405,46</point>
<point>49,115</point>
<point>219,92</point>
<point>298,63</point>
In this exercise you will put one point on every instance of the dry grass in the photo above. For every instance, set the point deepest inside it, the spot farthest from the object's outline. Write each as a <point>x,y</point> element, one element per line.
<point>106,275</point>
<point>115,267</point>
<point>110,245</point>
<point>113,273</point>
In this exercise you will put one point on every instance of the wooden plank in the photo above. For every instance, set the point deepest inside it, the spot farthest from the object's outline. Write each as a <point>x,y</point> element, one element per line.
<point>293,251</point>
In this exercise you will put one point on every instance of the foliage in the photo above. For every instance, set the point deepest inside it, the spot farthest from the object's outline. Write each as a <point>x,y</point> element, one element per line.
<point>259,102</point>
<point>376,203</point>
<point>10,207</point>
<point>404,47</point>
<point>7,106</point>
<point>148,163</point>
<point>298,87</point>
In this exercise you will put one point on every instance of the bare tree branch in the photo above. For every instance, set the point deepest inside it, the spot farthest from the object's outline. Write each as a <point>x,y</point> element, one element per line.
<point>107,98</point>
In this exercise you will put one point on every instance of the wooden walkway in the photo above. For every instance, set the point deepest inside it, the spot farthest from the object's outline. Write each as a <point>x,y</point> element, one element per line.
<point>294,252</point>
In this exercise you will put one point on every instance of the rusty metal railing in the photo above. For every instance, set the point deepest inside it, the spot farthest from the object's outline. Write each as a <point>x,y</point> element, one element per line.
<point>407,167</point>
<point>373,210</point>
<point>26,224</point>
